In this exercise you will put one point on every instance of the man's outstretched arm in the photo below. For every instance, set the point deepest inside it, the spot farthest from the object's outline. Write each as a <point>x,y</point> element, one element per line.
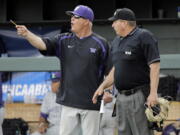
<point>33,39</point>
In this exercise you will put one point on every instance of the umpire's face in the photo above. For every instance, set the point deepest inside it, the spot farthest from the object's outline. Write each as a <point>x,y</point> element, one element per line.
<point>119,27</point>
<point>78,23</point>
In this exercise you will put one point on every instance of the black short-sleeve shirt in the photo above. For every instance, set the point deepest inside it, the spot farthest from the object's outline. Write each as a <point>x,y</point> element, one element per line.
<point>1,92</point>
<point>131,56</point>
<point>83,64</point>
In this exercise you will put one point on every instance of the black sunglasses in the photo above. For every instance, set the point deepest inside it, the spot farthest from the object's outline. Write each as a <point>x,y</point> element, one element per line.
<point>76,16</point>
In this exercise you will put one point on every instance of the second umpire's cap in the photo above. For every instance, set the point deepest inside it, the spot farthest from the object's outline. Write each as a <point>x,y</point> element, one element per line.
<point>55,76</point>
<point>123,14</point>
<point>82,11</point>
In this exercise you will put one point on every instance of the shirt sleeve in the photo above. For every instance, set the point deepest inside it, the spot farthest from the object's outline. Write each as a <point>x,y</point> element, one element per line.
<point>52,44</point>
<point>150,47</point>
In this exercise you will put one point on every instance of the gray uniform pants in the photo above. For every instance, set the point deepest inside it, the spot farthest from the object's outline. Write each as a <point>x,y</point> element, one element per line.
<point>1,119</point>
<point>108,123</point>
<point>79,121</point>
<point>131,116</point>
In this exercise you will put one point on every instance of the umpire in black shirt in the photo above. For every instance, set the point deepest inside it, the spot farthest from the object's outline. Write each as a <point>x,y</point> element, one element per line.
<point>83,56</point>
<point>136,64</point>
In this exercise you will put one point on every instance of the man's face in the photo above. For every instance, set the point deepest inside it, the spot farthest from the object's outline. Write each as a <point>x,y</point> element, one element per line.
<point>119,26</point>
<point>55,86</point>
<point>77,23</point>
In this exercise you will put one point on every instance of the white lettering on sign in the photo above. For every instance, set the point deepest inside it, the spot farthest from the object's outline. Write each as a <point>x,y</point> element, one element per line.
<point>25,89</point>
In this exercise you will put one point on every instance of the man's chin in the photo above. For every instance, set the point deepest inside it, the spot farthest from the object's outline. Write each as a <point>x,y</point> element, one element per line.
<point>72,30</point>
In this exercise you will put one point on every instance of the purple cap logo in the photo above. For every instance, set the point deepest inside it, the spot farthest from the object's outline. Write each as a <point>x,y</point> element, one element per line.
<point>83,11</point>
<point>55,76</point>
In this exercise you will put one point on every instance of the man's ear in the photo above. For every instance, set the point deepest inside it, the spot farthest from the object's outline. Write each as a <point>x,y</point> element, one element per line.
<point>87,22</point>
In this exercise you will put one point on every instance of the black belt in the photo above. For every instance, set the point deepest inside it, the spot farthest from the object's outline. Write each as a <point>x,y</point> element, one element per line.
<point>133,90</point>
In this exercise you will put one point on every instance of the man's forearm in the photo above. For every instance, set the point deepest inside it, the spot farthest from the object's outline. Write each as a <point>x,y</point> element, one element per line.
<point>154,77</point>
<point>109,80</point>
<point>36,41</point>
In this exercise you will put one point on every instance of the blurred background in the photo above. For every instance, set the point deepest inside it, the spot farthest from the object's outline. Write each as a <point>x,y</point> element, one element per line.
<point>48,18</point>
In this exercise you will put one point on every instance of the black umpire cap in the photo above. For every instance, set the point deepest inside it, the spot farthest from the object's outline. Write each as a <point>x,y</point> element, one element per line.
<point>123,14</point>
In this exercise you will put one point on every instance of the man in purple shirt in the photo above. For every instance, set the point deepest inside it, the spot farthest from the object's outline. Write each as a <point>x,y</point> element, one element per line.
<point>84,57</point>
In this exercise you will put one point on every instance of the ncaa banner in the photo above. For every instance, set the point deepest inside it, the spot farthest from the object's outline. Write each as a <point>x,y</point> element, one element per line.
<point>27,87</point>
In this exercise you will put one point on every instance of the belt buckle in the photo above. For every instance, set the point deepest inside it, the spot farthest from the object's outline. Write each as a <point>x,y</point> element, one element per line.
<point>130,92</point>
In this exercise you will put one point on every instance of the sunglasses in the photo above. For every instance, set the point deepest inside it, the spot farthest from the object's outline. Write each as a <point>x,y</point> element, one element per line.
<point>76,16</point>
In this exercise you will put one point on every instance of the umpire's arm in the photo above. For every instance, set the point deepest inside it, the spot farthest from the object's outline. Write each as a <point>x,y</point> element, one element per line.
<point>154,81</point>
<point>109,80</point>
